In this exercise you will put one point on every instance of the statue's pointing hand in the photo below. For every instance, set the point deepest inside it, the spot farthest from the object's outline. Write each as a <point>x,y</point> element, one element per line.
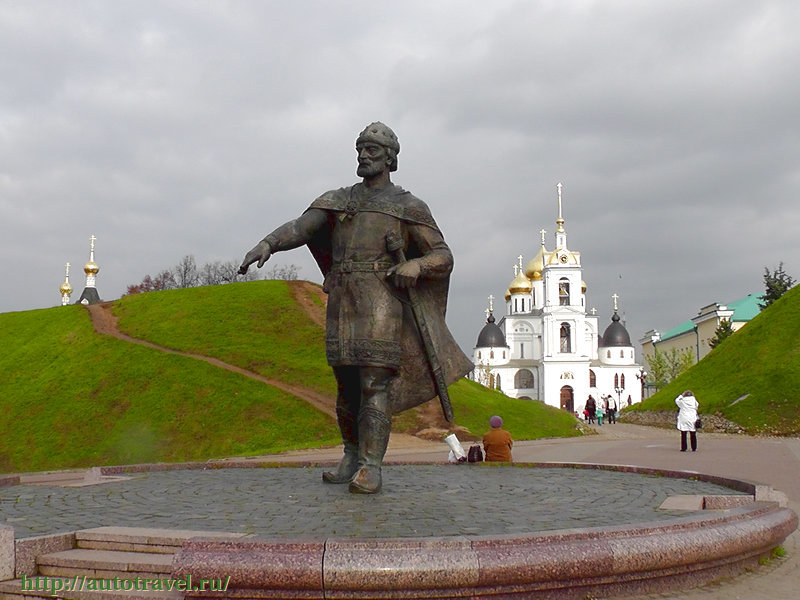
<point>261,253</point>
<point>405,274</point>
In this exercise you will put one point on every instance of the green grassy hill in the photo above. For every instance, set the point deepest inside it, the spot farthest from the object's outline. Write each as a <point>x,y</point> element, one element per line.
<point>70,397</point>
<point>753,377</point>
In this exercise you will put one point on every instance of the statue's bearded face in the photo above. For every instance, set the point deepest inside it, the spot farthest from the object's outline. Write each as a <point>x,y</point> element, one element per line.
<point>373,159</point>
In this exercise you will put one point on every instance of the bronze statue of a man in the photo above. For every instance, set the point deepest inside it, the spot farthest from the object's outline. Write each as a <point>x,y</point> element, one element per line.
<point>372,340</point>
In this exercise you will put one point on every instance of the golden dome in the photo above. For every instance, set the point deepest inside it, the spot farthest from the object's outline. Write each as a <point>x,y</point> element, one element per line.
<point>583,287</point>
<point>65,288</point>
<point>91,268</point>
<point>520,285</point>
<point>534,269</point>
<point>507,295</point>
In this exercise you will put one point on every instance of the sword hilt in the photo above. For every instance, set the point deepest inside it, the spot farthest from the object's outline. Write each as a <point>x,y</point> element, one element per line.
<point>394,244</point>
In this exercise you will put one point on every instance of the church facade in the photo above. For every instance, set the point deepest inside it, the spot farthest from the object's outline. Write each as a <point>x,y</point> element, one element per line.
<point>547,347</point>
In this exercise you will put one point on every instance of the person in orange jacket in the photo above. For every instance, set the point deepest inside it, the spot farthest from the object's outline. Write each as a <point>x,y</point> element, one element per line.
<point>497,442</point>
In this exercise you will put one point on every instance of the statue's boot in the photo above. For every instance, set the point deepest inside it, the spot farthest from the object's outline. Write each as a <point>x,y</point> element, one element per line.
<point>348,426</point>
<point>373,438</point>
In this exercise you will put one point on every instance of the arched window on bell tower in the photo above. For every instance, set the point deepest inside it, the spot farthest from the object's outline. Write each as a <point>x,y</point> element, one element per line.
<point>563,291</point>
<point>566,338</point>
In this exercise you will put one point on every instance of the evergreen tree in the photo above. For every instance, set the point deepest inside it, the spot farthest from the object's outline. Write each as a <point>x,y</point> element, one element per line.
<point>776,284</point>
<point>723,331</point>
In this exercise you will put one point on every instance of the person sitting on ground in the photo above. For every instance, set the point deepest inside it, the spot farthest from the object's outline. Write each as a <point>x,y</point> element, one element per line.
<point>497,442</point>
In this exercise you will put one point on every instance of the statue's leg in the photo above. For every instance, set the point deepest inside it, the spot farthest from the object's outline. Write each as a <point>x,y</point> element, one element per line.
<point>348,400</point>
<point>374,425</point>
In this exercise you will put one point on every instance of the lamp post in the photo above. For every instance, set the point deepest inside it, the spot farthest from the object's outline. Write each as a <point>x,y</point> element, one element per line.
<point>642,376</point>
<point>619,391</point>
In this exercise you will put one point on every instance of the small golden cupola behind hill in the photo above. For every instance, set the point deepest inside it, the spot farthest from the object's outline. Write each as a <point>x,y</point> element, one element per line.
<point>66,288</point>
<point>89,294</point>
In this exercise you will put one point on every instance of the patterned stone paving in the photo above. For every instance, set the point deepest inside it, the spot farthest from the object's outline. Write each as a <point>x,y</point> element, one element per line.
<point>417,500</point>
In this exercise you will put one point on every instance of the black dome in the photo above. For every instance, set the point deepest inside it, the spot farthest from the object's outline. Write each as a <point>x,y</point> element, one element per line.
<point>615,334</point>
<point>491,336</point>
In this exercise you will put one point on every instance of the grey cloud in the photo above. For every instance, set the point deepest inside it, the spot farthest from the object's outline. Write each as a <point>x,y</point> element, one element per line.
<point>182,127</point>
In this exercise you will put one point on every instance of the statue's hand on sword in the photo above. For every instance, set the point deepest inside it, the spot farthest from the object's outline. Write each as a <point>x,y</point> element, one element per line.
<point>405,274</point>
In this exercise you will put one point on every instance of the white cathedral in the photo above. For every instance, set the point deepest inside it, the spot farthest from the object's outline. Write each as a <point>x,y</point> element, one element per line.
<point>547,347</point>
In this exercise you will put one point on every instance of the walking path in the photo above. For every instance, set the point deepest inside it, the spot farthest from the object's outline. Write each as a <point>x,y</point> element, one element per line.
<point>105,322</point>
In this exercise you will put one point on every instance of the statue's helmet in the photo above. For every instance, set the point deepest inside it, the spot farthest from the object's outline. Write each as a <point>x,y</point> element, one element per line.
<point>381,134</point>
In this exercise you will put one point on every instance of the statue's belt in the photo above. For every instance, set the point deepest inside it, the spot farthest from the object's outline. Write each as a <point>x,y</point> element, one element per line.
<point>351,266</point>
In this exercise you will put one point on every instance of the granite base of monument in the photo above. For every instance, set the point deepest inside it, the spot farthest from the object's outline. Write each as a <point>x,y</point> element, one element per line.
<point>430,534</point>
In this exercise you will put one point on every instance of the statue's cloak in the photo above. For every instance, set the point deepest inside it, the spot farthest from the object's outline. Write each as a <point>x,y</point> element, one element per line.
<point>414,382</point>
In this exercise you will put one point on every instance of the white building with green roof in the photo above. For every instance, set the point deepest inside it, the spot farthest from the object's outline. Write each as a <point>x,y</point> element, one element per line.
<point>694,334</point>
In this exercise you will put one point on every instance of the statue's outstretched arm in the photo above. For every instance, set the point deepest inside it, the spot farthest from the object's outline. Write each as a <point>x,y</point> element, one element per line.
<point>289,235</point>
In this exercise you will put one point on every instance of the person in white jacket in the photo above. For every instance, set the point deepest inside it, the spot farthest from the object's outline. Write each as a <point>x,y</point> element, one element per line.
<point>687,416</point>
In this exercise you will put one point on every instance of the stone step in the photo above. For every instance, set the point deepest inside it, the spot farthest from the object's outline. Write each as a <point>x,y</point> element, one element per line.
<point>104,564</point>
<point>141,539</point>
<point>40,587</point>
<point>107,560</point>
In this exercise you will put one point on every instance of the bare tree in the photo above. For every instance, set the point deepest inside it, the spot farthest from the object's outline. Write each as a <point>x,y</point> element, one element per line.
<point>284,272</point>
<point>185,272</point>
<point>210,274</point>
<point>230,272</point>
<point>220,272</point>
<point>163,281</point>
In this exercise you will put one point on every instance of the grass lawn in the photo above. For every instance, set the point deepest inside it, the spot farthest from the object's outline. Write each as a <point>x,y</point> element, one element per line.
<point>72,398</point>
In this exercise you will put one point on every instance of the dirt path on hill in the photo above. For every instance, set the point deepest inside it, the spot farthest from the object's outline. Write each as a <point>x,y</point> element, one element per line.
<point>105,322</point>
<point>303,293</point>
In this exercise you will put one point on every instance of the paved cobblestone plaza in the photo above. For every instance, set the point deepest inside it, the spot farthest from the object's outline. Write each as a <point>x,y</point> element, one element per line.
<point>418,500</point>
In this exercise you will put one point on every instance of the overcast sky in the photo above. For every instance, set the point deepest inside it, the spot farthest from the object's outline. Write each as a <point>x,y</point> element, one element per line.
<point>195,127</point>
